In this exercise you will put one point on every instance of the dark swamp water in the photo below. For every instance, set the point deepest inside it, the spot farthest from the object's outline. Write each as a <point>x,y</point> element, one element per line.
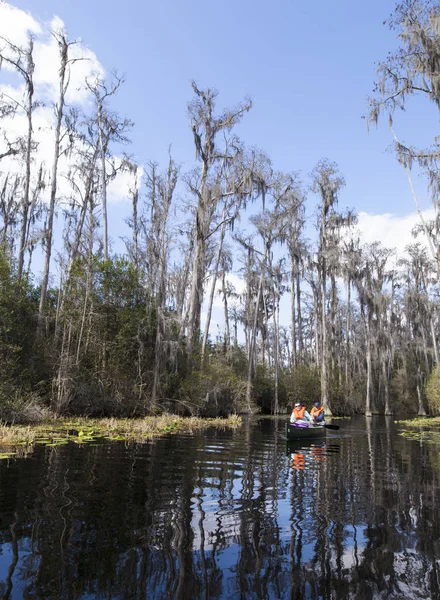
<point>225,514</point>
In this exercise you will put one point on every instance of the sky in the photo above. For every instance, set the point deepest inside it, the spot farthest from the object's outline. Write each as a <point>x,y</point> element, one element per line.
<point>308,67</point>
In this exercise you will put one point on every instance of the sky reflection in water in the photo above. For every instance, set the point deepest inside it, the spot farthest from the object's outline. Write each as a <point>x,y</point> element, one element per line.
<point>225,514</point>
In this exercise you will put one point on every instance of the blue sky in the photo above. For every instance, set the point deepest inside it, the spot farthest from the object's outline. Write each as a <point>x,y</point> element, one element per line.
<point>308,68</point>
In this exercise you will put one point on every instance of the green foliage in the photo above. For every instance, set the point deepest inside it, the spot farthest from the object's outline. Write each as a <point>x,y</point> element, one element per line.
<point>354,400</point>
<point>18,405</point>
<point>238,360</point>
<point>263,389</point>
<point>18,367</point>
<point>303,385</point>
<point>403,389</point>
<point>214,390</point>
<point>16,327</point>
<point>432,390</point>
<point>113,374</point>
<point>344,402</point>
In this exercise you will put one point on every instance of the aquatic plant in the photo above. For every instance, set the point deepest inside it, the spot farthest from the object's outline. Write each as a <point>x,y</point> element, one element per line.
<point>83,430</point>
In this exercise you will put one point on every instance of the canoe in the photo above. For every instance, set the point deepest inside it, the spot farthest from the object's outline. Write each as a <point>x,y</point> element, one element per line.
<point>302,433</point>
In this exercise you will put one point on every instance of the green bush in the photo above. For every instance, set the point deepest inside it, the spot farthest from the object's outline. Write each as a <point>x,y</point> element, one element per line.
<point>216,390</point>
<point>17,326</point>
<point>303,384</point>
<point>18,405</point>
<point>403,389</point>
<point>432,391</point>
<point>263,389</point>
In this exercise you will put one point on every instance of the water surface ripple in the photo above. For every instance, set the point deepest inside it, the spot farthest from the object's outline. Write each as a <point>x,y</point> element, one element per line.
<point>225,514</point>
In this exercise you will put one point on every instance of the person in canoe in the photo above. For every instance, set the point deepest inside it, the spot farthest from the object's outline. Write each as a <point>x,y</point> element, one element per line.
<point>317,414</point>
<point>299,414</point>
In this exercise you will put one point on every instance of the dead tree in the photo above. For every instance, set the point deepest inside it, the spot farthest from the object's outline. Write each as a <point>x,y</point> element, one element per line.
<point>111,128</point>
<point>21,59</point>
<point>209,186</point>
<point>64,79</point>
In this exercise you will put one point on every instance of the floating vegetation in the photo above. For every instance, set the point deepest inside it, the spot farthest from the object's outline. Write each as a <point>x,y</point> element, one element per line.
<point>428,437</point>
<point>83,431</point>
<point>4,455</point>
<point>421,422</point>
<point>422,429</point>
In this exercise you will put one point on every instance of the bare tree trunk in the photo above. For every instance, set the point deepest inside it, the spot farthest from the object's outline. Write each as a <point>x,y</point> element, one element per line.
<point>347,335</point>
<point>434,252</point>
<point>84,314</point>
<point>293,314</point>
<point>333,306</point>
<point>196,293</point>
<point>254,332</point>
<point>386,389</point>
<point>434,340</point>
<point>368,411</point>
<point>299,313</point>
<point>165,195</point>
<point>157,352</point>
<point>425,349</point>
<point>78,233</point>
<point>103,151</point>
<point>265,337</point>
<point>88,289</point>
<point>339,350</point>
<point>421,412</point>
<point>64,54</point>
<point>180,293</point>
<point>57,311</point>
<point>247,308</point>
<point>8,209</point>
<point>317,321</point>
<point>324,350</point>
<point>235,319</point>
<point>276,309</point>
<point>206,126</point>
<point>160,330</point>
<point>25,204</point>
<point>135,199</point>
<point>214,282</point>
<point>89,266</point>
<point>225,304</point>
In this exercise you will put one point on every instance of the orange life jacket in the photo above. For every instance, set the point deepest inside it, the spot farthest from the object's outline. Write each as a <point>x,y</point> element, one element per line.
<point>298,413</point>
<point>315,412</point>
<point>298,461</point>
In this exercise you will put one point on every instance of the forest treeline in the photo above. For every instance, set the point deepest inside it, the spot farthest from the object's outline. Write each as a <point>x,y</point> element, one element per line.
<point>107,334</point>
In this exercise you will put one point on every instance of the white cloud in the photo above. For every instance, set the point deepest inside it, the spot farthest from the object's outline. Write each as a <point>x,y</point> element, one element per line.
<point>391,230</point>
<point>237,283</point>
<point>119,187</point>
<point>16,24</point>
<point>47,62</point>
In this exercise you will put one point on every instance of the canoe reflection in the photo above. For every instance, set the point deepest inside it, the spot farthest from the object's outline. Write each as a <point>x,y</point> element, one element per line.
<point>300,454</point>
<point>298,461</point>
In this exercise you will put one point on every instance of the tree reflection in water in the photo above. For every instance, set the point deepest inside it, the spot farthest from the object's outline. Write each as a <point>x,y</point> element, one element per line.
<point>225,515</point>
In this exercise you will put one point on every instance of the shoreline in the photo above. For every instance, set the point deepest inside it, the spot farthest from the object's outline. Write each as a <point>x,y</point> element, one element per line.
<point>19,440</point>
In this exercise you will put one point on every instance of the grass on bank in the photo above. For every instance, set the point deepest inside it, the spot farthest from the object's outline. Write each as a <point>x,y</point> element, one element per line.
<point>18,439</point>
